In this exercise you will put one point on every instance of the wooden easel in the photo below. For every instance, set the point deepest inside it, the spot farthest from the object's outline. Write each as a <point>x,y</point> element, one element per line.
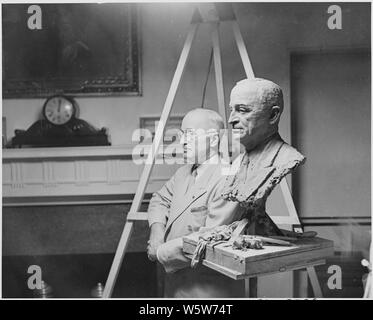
<point>212,14</point>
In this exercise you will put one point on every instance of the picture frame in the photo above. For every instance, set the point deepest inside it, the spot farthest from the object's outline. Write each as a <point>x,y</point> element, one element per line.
<point>4,138</point>
<point>172,127</point>
<point>81,49</point>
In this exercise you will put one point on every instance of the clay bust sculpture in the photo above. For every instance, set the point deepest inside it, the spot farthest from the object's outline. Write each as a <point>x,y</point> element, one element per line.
<point>256,106</point>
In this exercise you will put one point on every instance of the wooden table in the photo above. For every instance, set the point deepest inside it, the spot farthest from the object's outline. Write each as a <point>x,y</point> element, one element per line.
<point>251,264</point>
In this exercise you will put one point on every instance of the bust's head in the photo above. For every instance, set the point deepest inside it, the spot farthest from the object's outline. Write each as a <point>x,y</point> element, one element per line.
<point>256,106</point>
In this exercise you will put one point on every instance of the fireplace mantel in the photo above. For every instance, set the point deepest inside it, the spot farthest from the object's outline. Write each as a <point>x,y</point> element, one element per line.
<point>74,175</point>
<point>66,153</point>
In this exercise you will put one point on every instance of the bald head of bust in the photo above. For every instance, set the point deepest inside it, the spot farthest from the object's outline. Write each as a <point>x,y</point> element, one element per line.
<point>256,106</point>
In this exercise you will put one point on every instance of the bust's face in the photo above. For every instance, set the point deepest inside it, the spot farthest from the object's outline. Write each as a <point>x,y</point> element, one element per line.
<point>250,118</point>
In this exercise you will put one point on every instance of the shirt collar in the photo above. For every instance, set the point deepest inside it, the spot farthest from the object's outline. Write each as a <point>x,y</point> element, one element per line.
<point>259,153</point>
<point>204,165</point>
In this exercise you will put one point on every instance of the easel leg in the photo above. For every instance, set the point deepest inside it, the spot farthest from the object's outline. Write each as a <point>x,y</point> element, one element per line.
<point>242,50</point>
<point>118,258</point>
<point>300,283</point>
<point>314,282</point>
<point>144,179</point>
<point>251,287</point>
<point>218,71</point>
<point>220,84</point>
<point>126,234</point>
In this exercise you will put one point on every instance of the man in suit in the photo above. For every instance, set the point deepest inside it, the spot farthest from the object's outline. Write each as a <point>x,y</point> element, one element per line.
<point>191,199</point>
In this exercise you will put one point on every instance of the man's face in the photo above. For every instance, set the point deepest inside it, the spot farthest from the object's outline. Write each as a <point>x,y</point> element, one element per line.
<point>196,138</point>
<point>249,117</point>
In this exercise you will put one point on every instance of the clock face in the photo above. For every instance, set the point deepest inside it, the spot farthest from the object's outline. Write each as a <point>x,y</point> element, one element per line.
<point>59,110</point>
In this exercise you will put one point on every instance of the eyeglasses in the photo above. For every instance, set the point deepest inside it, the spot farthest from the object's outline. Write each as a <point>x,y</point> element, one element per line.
<point>192,134</point>
<point>188,134</point>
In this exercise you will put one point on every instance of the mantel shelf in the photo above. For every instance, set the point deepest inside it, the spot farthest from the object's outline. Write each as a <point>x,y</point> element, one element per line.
<point>71,175</point>
<point>67,152</point>
<point>124,151</point>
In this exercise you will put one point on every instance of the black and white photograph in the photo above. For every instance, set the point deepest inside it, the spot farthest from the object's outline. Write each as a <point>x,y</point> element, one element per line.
<point>186,150</point>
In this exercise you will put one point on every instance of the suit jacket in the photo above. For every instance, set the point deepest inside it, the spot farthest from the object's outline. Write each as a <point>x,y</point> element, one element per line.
<point>260,170</point>
<point>174,206</point>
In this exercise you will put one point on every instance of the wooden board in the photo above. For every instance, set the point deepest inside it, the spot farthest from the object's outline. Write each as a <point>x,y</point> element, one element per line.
<point>239,264</point>
<point>239,276</point>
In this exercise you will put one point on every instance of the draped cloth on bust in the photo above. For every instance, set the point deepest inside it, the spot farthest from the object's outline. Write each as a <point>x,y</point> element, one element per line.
<point>260,170</point>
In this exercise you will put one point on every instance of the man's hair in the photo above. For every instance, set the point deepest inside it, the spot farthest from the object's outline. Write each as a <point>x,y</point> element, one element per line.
<point>216,119</point>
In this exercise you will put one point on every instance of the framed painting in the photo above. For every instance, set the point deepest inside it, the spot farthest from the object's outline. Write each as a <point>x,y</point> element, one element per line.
<point>79,49</point>
<point>171,130</point>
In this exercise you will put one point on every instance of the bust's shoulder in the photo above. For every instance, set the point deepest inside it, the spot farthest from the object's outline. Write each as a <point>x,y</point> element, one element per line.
<point>287,154</point>
<point>275,152</point>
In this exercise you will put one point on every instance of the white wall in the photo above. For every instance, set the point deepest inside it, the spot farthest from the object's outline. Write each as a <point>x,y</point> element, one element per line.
<point>332,96</point>
<point>269,31</point>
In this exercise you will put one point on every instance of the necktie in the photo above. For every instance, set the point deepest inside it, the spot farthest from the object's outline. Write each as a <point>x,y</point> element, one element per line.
<point>192,178</point>
<point>194,170</point>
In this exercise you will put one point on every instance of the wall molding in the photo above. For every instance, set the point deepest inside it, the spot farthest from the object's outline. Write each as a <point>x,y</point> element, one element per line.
<point>336,221</point>
<point>74,175</point>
